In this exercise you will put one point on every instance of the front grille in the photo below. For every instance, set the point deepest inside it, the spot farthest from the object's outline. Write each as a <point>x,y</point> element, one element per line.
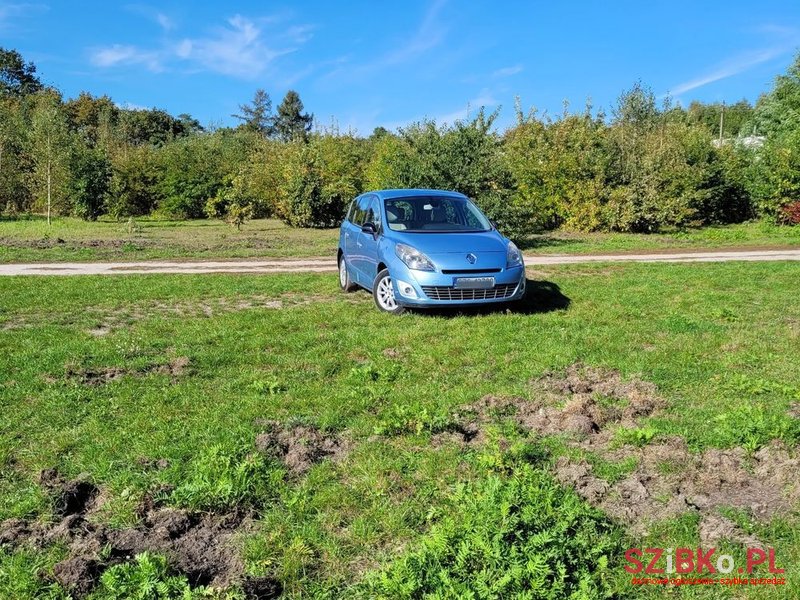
<point>468,271</point>
<point>440,292</point>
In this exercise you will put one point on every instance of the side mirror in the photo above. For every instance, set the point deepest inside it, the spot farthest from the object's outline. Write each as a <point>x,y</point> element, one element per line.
<point>494,223</point>
<point>369,228</point>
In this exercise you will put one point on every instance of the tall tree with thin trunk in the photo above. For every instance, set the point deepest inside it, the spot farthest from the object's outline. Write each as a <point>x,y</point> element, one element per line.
<point>257,116</point>
<point>291,124</point>
<point>49,150</point>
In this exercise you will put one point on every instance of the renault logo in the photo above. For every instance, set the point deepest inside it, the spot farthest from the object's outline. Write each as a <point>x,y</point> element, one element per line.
<point>471,258</point>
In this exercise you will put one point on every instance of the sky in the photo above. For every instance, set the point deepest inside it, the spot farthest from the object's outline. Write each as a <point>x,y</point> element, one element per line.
<point>358,65</point>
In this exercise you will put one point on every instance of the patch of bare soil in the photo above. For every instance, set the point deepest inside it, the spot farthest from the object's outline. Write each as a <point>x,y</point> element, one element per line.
<point>60,243</point>
<point>175,368</point>
<point>300,446</point>
<point>669,481</point>
<point>201,546</point>
<point>581,402</point>
<point>584,405</point>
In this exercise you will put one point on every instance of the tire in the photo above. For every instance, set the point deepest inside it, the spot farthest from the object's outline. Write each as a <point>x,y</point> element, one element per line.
<point>345,282</point>
<point>383,294</point>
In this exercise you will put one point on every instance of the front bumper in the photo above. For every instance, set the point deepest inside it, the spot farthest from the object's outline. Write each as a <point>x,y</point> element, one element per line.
<point>437,289</point>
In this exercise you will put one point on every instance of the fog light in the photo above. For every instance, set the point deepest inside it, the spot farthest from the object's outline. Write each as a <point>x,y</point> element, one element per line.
<point>406,289</point>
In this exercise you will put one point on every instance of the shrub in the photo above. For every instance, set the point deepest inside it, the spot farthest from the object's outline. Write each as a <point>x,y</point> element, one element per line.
<point>149,577</point>
<point>790,213</point>
<point>518,536</point>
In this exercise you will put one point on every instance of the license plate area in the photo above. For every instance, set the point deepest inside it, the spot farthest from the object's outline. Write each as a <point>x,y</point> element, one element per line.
<point>473,283</point>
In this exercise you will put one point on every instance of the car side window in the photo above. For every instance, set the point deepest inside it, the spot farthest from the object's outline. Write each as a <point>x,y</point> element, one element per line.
<point>374,214</point>
<point>350,209</point>
<point>360,211</point>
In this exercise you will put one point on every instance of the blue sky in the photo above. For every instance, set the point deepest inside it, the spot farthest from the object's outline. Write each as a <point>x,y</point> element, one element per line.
<point>389,63</point>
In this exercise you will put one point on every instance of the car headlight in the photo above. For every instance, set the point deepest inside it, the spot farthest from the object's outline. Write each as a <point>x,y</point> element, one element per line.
<point>513,256</point>
<point>413,258</point>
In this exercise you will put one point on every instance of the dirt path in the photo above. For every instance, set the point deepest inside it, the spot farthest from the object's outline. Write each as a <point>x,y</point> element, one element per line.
<point>325,265</point>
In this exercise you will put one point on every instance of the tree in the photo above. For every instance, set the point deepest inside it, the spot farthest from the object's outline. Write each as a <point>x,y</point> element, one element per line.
<point>14,193</point>
<point>150,126</point>
<point>88,114</point>
<point>778,112</point>
<point>90,180</point>
<point>49,150</point>
<point>257,116</point>
<point>291,124</point>
<point>17,77</point>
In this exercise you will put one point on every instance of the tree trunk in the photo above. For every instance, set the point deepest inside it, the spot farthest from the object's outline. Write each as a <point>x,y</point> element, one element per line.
<point>48,193</point>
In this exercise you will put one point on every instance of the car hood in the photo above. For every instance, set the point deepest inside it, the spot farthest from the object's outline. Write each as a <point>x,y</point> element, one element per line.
<point>434,244</point>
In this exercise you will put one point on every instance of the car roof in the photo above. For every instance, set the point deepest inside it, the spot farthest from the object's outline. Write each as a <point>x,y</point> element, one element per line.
<point>404,193</point>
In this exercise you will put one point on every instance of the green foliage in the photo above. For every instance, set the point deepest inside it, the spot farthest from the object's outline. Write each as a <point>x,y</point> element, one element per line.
<point>413,418</point>
<point>49,148</point>
<point>20,574</point>
<point>256,117</point>
<point>148,577</point>
<point>219,479</point>
<point>648,167</point>
<point>193,170</point>
<point>321,179</point>
<point>90,182</point>
<point>519,536</point>
<point>17,77</point>
<point>637,436</point>
<point>133,183</point>
<point>291,123</point>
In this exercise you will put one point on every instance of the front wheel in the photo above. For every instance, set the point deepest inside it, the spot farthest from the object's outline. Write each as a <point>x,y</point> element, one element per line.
<point>345,282</point>
<point>383,293</point>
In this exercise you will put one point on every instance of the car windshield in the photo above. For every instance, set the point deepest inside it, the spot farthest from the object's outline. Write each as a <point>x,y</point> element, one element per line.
<point>434,214</point>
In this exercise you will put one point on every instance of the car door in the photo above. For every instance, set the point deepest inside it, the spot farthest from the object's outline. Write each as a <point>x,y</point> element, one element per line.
<point>353,245</point>
<point>350,230</point>
<point>368,243</point>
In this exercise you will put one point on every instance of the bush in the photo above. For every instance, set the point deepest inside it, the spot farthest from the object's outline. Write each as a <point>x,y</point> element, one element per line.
<point>321,179</point>
<point>790,213</point>
<point>149,577</point>
<point>518,536</point>
<point>90,182</point>
<point>133,183</point>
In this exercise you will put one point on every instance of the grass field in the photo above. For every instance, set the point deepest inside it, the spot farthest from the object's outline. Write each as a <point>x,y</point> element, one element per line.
<point>31,240</point>
<point>328,450</point>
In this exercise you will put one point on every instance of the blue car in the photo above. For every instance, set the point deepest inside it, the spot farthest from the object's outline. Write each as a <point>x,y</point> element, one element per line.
<point>426,248</point>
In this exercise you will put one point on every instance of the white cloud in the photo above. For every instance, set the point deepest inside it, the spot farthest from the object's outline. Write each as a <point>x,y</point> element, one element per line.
<point>784,40</point>
<point>10,13</point>
<point>119,54</point>
<point>152,14</point>
<point>740,64</point>
<point>508,71</point>
<point>165,22</point>
<point>238,49</point>
<point>430,34</point>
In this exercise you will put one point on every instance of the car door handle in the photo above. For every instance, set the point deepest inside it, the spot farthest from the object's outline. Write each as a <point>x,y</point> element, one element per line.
<point>359,244</point>
<point>347,234</point>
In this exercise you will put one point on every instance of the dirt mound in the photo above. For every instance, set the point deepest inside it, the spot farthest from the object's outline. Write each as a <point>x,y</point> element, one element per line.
<point>587,405</point>
<point>71,497</point>
<point>299,446</point>
<point>670,480</point>
<point>580,402</point>
<point>175,368</point>
<point>201,546</point>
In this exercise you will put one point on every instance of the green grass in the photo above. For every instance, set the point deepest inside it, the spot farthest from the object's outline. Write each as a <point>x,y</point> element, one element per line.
<point>757,234</point>
<point>397,516</point>
<point>68,239</point>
